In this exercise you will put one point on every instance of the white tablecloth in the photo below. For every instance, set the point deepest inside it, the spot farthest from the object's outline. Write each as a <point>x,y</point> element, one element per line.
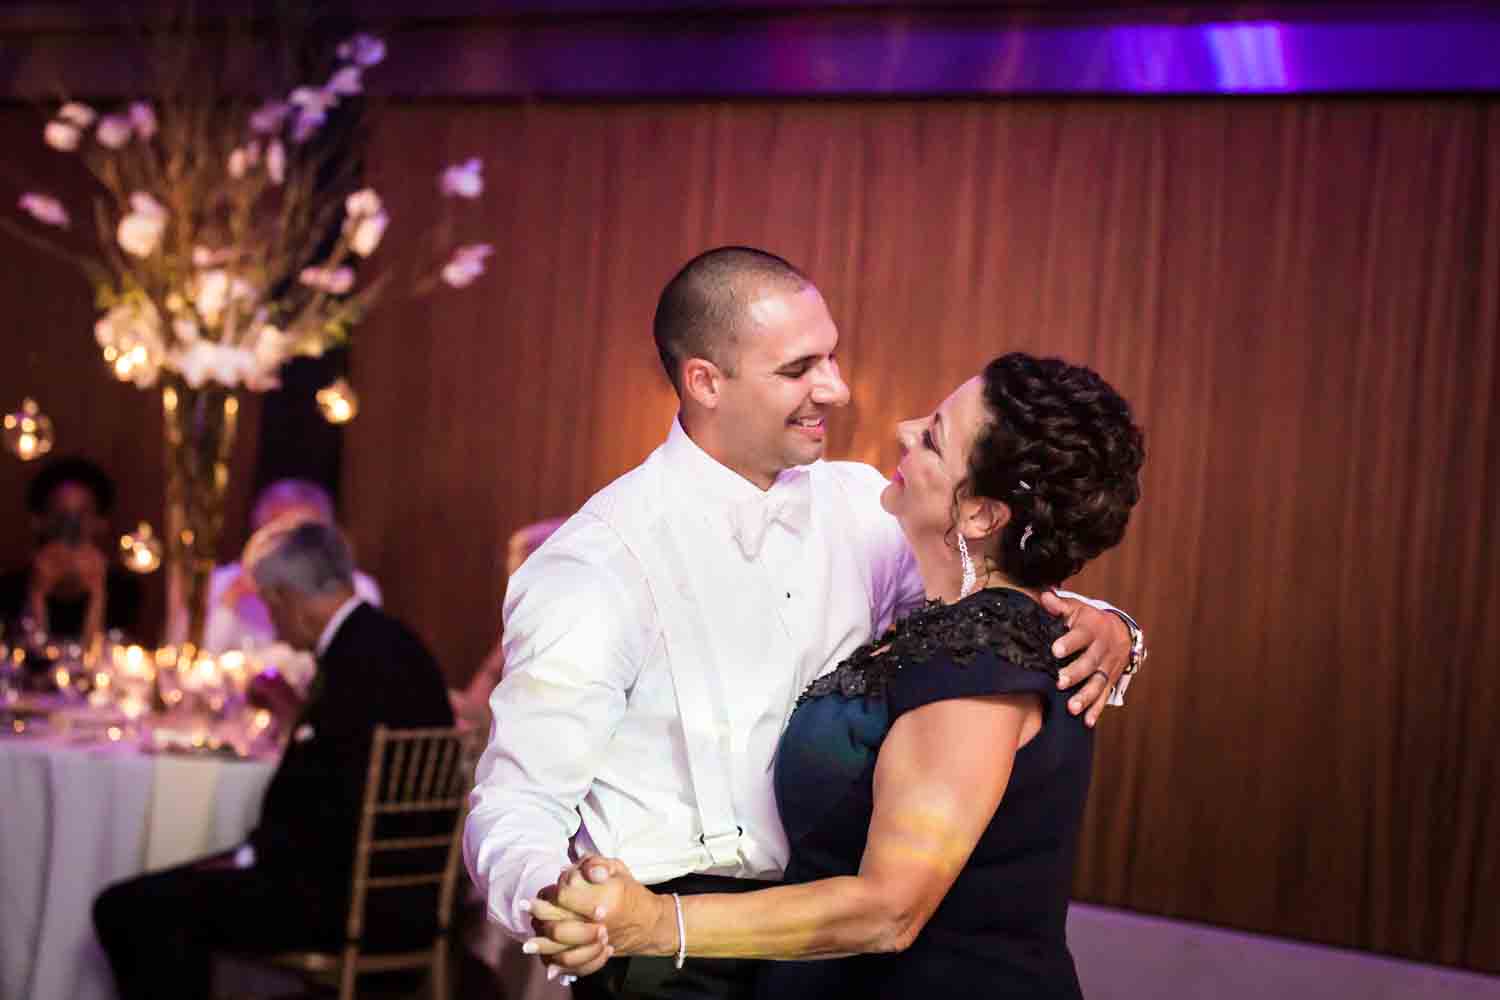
<point>79,818</point>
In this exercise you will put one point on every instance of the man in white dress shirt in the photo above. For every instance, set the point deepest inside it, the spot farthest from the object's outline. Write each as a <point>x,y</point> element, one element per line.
<point>656,643</point>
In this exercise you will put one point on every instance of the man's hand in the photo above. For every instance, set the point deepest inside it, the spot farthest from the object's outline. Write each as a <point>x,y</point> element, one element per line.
<point>1105,644</point>
<point>270,690</point>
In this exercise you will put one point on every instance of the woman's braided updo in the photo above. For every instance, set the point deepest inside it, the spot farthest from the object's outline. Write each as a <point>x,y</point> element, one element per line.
<point>1061,451</point>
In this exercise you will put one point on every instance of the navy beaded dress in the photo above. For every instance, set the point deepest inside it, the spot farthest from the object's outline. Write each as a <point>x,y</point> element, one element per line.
<point>999,932</point>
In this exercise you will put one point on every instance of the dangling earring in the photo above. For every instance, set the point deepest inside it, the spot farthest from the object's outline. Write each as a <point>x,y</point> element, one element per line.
<point>970,578</point>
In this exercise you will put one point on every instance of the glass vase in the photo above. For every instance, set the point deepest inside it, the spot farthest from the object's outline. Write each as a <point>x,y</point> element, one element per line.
<point>200,427</point>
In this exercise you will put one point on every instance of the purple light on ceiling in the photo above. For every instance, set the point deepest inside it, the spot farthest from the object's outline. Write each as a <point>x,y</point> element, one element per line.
<point>1248,58</point>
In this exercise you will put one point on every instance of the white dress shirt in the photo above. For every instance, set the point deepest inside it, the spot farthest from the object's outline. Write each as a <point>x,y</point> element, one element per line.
<point>588,745</point>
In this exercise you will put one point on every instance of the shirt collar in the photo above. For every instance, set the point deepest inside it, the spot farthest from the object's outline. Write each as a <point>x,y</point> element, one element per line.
<point>711,479</point>
<point>334,623</point>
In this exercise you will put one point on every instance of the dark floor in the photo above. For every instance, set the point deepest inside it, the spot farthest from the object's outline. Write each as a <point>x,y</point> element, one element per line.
<point>471,979</point>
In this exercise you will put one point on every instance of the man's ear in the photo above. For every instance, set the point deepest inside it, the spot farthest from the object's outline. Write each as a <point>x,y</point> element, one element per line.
<point>702,382</point>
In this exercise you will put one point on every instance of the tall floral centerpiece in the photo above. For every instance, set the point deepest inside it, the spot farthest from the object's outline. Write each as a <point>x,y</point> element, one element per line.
<point>229,240</point>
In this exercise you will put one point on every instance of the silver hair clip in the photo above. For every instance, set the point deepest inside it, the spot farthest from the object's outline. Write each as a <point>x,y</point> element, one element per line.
<point>1023,484</point>
<point>1024,536</point>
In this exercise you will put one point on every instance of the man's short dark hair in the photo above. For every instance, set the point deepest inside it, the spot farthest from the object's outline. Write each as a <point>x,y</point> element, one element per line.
<point>70,470</point>
<point>699,311</point>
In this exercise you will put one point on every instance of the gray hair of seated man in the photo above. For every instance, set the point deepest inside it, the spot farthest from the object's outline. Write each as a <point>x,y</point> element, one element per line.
<point>308,557</point>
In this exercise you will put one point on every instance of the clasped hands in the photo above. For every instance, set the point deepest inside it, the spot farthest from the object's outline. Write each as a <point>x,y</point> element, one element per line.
<point>595,910</point>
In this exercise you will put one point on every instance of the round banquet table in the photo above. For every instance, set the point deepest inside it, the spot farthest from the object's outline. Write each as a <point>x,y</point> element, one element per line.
<point>79,817</point>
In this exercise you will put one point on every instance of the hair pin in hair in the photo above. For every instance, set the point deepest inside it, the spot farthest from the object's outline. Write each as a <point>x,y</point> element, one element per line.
<point>1024,536</point>
<point>1023,484</point>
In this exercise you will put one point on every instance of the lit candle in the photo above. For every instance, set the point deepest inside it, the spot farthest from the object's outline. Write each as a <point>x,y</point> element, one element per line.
<point>338,402</point>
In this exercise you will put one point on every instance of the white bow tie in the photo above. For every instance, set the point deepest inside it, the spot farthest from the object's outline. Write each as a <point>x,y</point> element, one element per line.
<point>789,501</point>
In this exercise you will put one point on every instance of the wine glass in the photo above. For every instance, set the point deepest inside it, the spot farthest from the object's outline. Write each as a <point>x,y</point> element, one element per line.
<point>10,673</point>
<point>132,680</point>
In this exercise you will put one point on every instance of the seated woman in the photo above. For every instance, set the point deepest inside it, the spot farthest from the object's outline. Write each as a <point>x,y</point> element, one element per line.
<point>472,705</point>
<point>70,590</point>
<point>932,786</point>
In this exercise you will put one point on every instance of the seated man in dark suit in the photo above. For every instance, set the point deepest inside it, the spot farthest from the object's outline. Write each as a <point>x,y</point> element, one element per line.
<point>288,887</point>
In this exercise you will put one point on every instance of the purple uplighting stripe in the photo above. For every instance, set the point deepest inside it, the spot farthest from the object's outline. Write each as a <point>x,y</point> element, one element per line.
<point>959,55</point>
<point>884,53</point>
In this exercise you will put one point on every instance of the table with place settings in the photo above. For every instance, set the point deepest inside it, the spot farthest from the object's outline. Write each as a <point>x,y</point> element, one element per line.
<point>82,813</point>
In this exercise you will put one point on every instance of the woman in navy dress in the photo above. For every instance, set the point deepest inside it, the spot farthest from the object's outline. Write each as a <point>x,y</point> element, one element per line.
<point>933,784</point>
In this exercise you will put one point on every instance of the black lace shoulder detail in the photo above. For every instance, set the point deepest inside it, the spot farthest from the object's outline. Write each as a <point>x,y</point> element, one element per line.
<point>1000,621</point>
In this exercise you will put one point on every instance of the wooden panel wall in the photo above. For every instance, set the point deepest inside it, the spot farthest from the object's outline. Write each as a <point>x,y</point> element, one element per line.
<point>1302,298</point>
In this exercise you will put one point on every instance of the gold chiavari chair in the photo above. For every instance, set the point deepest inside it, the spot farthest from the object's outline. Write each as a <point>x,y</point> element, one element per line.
<point>413,773</point>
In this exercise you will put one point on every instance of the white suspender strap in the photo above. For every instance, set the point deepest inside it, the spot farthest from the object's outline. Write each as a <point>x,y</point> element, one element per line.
<point>696,680</point>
